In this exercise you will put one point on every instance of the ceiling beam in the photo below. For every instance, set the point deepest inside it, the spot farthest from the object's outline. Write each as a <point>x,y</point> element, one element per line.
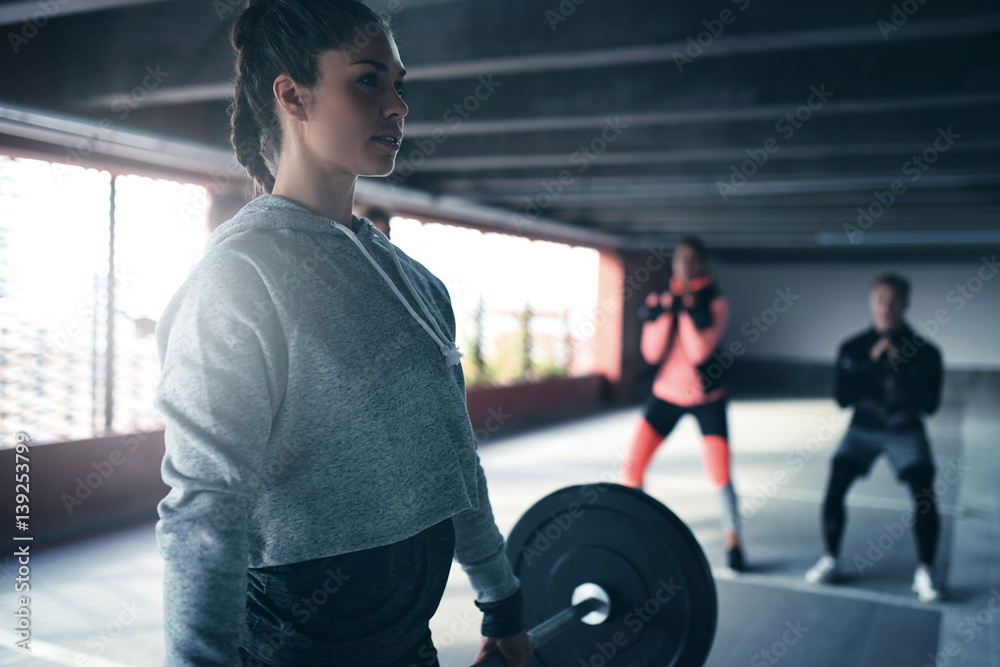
<point>25,10</point>
<point>936,237</point>
<point>724,46</point>
<point>973,239</point>
<point>690,155</point>
<point>667,221</point>
<point>165,96</point>
<point>702,116</point>
<point>496,184</point>
<point>752,187</point>
<point>430,207</point>
<point>526,186</point>
<point>82,138</point>
<point>640,216</point>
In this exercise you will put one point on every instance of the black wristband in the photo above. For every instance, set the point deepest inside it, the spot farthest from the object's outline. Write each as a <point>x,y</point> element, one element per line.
<point>502,618</point>
<point>650,313</point>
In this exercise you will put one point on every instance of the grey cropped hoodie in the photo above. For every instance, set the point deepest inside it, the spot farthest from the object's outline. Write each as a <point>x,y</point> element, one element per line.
<point>314,406</point>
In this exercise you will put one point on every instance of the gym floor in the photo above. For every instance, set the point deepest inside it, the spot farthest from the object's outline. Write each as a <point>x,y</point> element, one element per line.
<point>97,603</point>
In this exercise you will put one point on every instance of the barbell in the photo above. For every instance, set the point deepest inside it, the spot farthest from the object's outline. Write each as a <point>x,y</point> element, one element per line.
<point>610,576</point>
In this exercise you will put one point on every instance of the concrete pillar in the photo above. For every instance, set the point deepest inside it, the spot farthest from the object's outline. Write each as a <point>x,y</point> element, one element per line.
<point>625,278</point>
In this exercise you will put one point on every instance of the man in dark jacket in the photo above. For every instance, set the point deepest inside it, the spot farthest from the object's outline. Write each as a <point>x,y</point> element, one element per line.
<point>892,376</point>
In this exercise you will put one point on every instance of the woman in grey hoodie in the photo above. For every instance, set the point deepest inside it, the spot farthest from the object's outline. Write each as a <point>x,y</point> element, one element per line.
<point>322,466</point>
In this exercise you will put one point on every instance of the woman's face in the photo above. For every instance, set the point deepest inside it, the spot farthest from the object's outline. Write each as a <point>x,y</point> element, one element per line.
<point>355,110</point>
<point>687,264</point>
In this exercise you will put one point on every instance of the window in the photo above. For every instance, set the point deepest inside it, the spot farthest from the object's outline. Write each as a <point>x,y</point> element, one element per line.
<point>55,259</point>
<point>520,305</point>
<point>160,235</point>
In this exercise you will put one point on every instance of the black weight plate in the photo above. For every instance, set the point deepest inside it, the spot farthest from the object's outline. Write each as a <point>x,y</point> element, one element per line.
<point>663,599</point>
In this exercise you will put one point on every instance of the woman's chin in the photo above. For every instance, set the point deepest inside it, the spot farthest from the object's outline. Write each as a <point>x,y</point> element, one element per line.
<point>379,170</point>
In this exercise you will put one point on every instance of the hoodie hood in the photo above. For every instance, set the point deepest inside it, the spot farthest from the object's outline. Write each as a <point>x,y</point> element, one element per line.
<point>258,214</point>
<point>273,212</point>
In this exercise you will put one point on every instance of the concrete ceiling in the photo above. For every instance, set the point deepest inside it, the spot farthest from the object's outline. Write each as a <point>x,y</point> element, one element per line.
<point>762,126</point>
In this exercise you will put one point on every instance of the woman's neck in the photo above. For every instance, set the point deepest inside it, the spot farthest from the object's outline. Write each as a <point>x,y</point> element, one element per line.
<point>330,195</point>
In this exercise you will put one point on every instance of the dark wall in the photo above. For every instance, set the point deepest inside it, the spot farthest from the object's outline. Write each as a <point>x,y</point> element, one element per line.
<point>78,488</point>
<point>799,311</point>
<point>771,378</point>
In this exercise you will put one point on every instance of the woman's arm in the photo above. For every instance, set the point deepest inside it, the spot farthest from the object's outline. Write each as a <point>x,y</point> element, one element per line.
<point>479,549</point>
<point>656,333</point>
<point>479,546</point>
<point>220,385</point>
<point>698,344</point>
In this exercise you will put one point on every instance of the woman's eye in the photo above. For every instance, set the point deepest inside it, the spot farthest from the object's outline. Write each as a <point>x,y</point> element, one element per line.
<point>370,79</point>
<point>400,88</point>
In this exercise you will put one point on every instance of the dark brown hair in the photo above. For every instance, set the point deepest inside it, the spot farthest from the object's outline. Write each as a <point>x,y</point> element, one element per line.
<point>697,245</point>
<point>375,213</point>
<point>274,37</point>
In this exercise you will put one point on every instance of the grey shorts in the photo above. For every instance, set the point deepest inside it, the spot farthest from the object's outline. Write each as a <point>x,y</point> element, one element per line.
<point>904,449</point>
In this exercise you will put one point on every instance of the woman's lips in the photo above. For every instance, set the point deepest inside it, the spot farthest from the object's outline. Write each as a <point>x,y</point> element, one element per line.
<point>388,141</point>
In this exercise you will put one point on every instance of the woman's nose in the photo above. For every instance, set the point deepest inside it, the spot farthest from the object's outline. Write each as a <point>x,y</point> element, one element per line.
<point>395,106</point>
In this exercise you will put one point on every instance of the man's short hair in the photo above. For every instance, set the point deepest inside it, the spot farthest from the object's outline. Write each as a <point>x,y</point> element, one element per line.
<point>899,284</point>
<point>224,206</point>
<point>374,213</point>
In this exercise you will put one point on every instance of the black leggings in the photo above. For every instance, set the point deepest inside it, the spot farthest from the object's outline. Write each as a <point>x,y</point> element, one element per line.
<point>919,480</point>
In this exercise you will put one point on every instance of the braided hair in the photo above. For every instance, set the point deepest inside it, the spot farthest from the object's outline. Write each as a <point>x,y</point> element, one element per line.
<point>274,37</point>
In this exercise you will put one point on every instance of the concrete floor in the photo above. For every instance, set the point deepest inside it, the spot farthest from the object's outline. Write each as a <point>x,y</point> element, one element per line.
<point>97,603</point>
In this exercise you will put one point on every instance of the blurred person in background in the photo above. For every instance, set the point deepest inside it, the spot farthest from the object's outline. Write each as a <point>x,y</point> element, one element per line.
<point>892,376</point>
<point>380,217</point>
<point>224,206</point>
<point>682,329</point>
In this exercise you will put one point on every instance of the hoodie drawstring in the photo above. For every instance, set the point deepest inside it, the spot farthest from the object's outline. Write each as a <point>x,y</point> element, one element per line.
<point>448,348</point>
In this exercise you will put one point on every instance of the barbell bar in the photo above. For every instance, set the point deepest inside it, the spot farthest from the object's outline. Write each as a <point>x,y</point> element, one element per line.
<point>590,604</point>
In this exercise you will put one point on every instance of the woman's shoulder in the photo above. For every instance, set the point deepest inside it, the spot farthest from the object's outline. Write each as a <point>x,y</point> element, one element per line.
<point>232,273</point>
<point>426,275</point>
<point>237,260</point>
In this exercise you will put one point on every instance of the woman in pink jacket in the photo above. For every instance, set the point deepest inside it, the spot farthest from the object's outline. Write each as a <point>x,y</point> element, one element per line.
<point>683,328</point>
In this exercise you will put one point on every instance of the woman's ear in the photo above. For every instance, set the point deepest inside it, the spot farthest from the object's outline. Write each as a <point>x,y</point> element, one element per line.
<point>290,97</point>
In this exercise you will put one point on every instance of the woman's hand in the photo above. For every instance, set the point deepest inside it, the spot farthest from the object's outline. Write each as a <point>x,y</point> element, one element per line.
<point>516,649</point>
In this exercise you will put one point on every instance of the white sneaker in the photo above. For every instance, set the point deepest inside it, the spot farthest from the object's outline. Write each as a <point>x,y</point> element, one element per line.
<point>824,571</point>
<point>924,585</point>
